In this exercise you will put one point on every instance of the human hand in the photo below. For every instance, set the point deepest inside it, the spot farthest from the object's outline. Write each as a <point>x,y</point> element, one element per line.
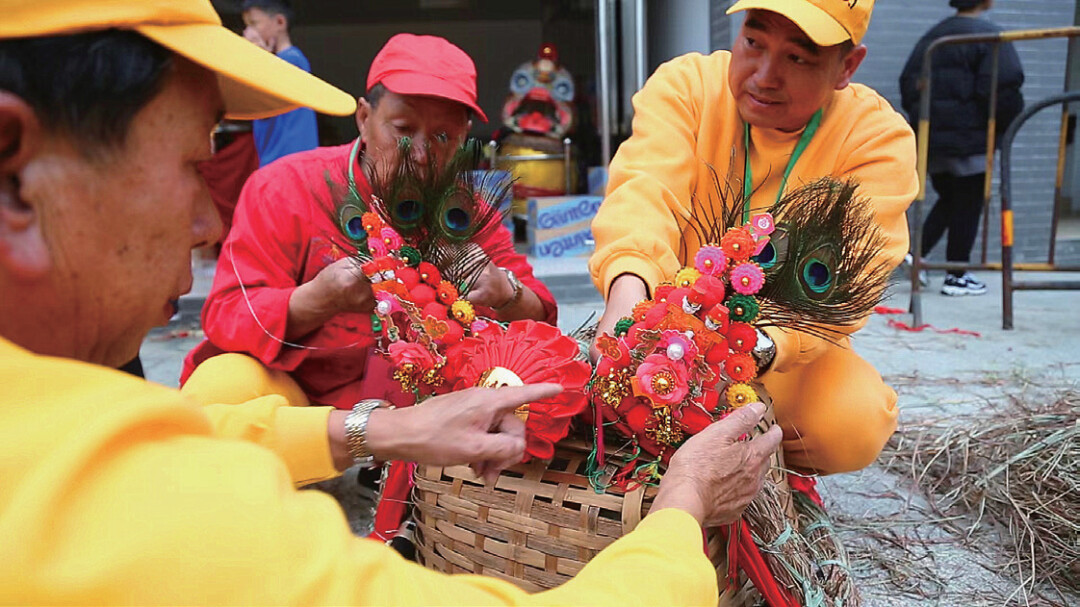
<point>343,287</point>
<point>625,292</point>
<point>492,288</point>
<point>713,475</point>
<point>252,36</point>
<point>476,426</point>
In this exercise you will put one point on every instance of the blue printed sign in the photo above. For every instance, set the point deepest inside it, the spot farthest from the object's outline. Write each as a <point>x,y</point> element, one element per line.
<point>567,245</point>
<point>556,212</point>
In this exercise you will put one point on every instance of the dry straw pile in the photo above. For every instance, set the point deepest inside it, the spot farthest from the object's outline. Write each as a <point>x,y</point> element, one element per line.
<point>1017,470</point>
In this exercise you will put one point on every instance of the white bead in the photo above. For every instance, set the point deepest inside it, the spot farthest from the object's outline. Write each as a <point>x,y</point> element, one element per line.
<point>675,352</point>
<point>383,308</point>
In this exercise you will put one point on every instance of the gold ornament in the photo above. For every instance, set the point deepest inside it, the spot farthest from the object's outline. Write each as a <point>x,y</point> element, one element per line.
<point>498,377</point>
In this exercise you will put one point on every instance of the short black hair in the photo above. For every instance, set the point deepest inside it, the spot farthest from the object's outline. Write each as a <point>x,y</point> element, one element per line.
<point>87,86</point>
<point>374,94</point>
<point>271,7</point>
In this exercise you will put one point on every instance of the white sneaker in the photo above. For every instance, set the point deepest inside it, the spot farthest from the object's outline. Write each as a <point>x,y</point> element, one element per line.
<point>963,285</point>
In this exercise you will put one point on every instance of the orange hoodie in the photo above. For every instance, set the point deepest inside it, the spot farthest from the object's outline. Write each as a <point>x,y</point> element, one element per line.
<point>685,120</point>
<point>116,491</point>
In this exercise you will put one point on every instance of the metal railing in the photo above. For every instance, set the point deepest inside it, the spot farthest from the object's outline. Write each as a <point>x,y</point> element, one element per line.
<point>919,263</point>
<point>1008,285</point>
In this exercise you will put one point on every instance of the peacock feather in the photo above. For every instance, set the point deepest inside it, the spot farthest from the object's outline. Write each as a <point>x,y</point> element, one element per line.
<point>437,210</point>
<point>821,263</point>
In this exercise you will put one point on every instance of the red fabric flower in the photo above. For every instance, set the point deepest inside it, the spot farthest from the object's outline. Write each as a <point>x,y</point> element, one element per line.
<point>408,277</point>
<point>436,310</point>
<point>741,337</point>
<point>707,292</point>
<point>537,353</point>
<point>661,380</point>
<point>446,293</point>
<point>737,244</point>
<point>740,367</point>
<point>429,274</point>
<point>422,295</point>
<point>662,292</point>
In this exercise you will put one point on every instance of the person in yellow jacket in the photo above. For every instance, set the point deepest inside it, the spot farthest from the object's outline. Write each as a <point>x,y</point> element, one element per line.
<point>118,491</point>
<point>780,101</point>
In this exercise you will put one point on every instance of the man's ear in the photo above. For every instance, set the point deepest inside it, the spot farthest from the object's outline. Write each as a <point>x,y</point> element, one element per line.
<point>851,62</point>
<point>363,112</point>
<point>23,253</point>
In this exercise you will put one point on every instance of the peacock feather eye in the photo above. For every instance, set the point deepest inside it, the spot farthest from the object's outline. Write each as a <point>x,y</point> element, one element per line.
<point>817,272</point>
<point>775,252</point>
<point>457,215</point>
<point>351,218</point>
<point>407,211</point>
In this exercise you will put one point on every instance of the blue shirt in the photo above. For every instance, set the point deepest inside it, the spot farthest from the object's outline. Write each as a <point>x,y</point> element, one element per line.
<point>290,132</point>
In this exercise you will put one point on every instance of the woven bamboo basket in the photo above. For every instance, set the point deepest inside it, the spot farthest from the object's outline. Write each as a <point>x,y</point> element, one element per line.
<point>538,525</point>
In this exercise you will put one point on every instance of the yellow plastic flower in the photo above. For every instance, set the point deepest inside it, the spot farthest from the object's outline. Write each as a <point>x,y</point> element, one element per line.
<point>740,395</point>
<point>462,311</point>
<point>686,277</point>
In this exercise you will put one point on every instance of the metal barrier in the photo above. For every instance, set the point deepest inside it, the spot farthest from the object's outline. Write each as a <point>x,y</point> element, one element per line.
<point>915,306</point>
<point>1008,285</point>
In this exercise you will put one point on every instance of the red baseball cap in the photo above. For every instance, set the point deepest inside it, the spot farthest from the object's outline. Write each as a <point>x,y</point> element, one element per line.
<point>426,65</point>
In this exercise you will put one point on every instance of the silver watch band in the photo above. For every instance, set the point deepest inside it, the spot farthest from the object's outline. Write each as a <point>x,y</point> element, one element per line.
<point>356,430</point>
<point>764,351</point>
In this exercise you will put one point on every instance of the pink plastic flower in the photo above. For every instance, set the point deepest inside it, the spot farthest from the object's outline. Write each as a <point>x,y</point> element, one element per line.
<point>677,346</point>
<point>747,278</point>
<point>662,380</point>
<point>710,260</point>
<point>391,238</point>
<point>377,247</point>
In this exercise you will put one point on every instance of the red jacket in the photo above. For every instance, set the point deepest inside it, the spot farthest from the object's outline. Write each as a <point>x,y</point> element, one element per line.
<point>283,234</point>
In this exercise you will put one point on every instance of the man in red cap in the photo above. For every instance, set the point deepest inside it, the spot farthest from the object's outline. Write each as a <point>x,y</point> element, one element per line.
<point>288,313</point>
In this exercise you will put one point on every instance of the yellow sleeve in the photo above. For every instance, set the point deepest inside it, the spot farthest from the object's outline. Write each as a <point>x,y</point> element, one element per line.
<point>298,435</point>
<point>153,511</point>
<point>650,178</point>
<point>882,157</point>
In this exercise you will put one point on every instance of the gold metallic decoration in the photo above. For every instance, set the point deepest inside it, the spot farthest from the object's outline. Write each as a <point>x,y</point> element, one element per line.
<point>664,430</point>
<point>613,387</point>
<point>407,380</point>
<point>663,383</point>
<point>498,377</point>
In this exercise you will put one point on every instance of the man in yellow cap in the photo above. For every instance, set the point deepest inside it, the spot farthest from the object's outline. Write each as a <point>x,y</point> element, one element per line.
<point>117,491</point>
<point>778,108</point>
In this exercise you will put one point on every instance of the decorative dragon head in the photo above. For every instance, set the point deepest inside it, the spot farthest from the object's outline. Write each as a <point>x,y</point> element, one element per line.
<point>541,94</point>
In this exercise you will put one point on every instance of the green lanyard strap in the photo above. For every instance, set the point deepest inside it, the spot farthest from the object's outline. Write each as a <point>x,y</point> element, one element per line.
<point>800,147</point>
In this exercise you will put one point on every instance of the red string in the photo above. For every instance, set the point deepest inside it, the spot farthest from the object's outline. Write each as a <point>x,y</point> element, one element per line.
<point>903,326</point>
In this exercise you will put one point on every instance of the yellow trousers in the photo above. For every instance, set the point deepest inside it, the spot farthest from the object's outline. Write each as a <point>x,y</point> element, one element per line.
<point>845,423</point>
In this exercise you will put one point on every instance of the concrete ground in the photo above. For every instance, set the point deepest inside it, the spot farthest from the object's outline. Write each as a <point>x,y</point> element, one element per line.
<point>901,557</point>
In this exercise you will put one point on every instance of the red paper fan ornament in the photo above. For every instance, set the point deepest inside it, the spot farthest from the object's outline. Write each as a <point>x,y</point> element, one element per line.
<point>526,352</point>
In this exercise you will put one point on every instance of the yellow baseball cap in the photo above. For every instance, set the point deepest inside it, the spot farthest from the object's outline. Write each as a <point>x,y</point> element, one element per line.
<point>826,22</point>
<point>254,82</point>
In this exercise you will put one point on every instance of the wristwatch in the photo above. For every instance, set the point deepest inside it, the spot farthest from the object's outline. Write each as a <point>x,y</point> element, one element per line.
<point>519,289</point>
<point>764,351</point>
<point>356,430</point>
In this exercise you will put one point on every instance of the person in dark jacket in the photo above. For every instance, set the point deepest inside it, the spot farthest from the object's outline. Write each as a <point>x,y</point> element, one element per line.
<point>959,107</point>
